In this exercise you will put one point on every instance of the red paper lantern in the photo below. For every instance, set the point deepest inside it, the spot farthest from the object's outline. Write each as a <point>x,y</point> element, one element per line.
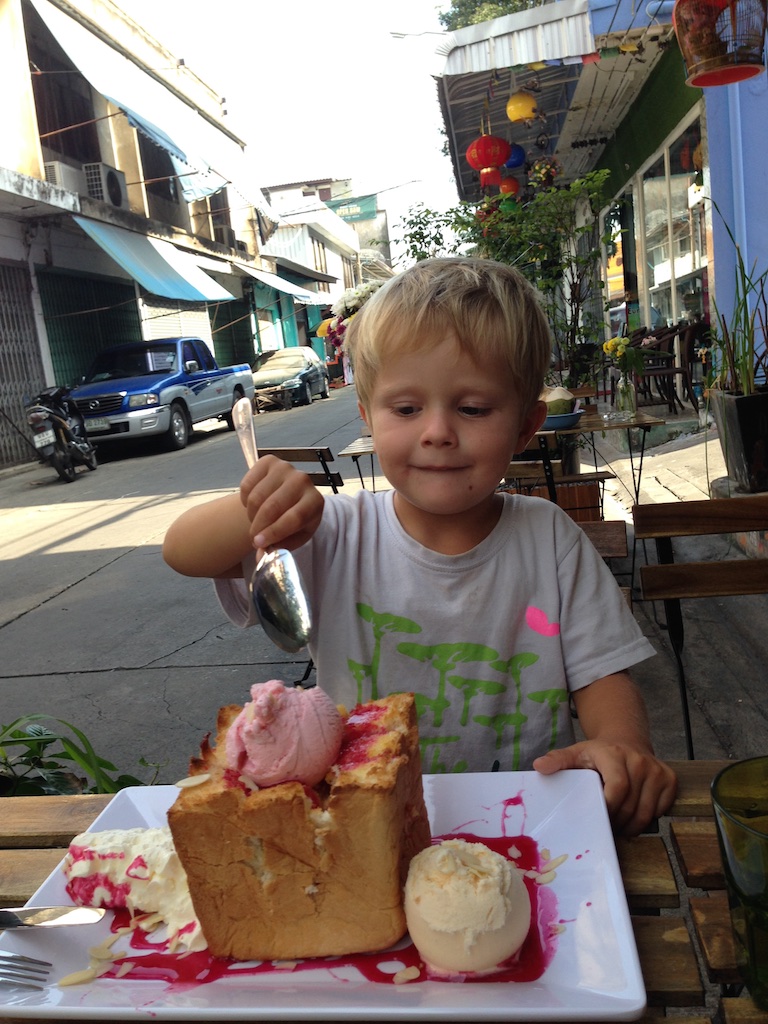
<point>490,176</point>
<point>487,151</point>
<point>509,186</point>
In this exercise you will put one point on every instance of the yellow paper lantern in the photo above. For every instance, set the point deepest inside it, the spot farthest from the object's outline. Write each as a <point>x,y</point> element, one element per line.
<point>521,106</point>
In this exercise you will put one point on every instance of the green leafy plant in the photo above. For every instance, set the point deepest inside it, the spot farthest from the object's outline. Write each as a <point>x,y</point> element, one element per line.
<point>36,761</point>
<point>740,344</point>
<point>553,238</point>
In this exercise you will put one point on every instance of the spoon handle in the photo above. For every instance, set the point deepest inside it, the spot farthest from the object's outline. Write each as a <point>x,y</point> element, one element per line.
<point>242,414</point>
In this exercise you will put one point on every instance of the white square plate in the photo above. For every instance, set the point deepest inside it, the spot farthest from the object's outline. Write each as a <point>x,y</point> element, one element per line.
<point>594,974</point>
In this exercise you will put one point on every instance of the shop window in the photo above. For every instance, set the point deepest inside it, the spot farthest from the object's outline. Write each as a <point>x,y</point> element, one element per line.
<point>62,101</point>
<point>659,248</point>
<point>159,177</point>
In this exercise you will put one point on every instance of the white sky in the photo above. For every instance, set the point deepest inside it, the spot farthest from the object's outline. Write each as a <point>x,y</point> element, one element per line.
<point>339,95</point>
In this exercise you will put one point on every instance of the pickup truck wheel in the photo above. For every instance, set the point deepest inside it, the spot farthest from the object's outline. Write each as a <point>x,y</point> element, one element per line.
<point>229,418</point>
<point>177,436</point>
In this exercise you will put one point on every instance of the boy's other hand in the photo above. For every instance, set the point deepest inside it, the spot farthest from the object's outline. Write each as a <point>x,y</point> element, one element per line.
<point>283,505</point>
<point>638,786</point>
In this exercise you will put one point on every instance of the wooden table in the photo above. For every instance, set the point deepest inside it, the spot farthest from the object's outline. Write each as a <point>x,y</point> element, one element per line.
<point>593,422</point>
<point>34,833</point>
<point>355,450</point>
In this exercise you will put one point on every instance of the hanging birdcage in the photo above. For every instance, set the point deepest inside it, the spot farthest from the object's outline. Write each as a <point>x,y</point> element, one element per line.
<point>722,41</point>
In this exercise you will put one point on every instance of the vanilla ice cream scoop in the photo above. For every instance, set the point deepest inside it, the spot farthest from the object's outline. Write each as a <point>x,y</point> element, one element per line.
<point>467,907</point>
<point>285,734</point>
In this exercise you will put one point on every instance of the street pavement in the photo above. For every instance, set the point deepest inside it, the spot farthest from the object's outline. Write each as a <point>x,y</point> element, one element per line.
<point>96,630</point>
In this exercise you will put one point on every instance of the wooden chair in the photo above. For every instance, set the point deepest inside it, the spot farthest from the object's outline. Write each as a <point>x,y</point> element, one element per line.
<point>609,538</point>
<point>671,581</point>
<point>662,367</point>
<point>324,477</point>
<point>540,470</point>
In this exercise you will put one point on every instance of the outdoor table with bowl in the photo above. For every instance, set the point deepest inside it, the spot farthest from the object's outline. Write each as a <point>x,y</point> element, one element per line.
<point>673,880</point>
<point>592,422</point>
<point>588,422</point>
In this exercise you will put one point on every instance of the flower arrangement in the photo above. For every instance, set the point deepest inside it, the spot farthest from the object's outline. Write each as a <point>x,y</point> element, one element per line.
<point>624,356</point>
<point>345,307</point>
<point>544,171</point>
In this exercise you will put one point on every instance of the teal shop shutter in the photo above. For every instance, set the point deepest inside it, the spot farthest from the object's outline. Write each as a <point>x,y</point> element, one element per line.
<point>84,315</point>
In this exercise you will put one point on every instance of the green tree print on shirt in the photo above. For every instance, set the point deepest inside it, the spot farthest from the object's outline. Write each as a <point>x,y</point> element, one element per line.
<point>383,623</point>
<point>433,746</point>
<point>443,658</point>
<point>470,688</point>
<point>513,668</point>
<point>554,698</point>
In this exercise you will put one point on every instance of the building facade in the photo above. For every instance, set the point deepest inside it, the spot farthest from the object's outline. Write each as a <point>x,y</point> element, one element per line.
<point>128,208</point>
<point>606,83</point>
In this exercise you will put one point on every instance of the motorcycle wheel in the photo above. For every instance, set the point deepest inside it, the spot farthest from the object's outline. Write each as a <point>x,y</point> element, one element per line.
<point>64,467</point>
<point>90,460</point>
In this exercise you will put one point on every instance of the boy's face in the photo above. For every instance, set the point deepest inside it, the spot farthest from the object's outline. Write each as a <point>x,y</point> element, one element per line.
<point>445,428</point>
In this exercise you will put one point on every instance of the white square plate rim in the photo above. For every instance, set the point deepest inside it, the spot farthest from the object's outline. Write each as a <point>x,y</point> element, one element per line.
<point>566,812</point>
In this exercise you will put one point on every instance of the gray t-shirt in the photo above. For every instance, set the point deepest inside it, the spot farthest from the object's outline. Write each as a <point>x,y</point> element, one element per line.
<point>491,641</point>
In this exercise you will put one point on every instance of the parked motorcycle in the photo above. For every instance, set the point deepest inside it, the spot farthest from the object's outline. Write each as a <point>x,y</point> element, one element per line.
<point>58,433</point>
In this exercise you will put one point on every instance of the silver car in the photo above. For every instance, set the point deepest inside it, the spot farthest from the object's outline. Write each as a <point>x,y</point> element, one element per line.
<point>289,376</point>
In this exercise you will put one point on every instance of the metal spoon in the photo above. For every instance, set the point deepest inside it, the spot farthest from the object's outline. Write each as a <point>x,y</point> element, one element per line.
<point>276,587</point>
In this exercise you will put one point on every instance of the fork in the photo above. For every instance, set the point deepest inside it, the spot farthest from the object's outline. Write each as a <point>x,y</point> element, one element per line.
<point>16,969</point>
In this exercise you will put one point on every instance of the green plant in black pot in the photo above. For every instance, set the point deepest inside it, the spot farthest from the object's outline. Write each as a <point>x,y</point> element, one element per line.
<point>36,761</point>
<point>738,392</point>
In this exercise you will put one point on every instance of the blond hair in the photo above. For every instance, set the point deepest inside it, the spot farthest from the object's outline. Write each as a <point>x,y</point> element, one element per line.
<point>489,307</point>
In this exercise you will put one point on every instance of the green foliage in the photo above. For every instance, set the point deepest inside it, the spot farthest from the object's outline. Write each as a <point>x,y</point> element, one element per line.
<point>427,233</point>
<point>34,761</point>
<point>471,12</point>
<point>740,357</point>
<point>552,238</point>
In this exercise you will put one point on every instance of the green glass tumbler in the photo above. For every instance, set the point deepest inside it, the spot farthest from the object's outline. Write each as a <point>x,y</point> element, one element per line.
<point>740,801</point>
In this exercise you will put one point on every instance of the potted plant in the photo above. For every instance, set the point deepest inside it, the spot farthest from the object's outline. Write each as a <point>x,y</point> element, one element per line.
<point>738,392</point>
<point>36,761</point>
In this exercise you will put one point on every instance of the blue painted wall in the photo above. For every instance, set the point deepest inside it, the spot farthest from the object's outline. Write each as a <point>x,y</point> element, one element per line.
<point>737,130</point>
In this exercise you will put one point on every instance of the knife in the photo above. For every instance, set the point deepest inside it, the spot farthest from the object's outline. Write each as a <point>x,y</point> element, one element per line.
<point>48,917</point>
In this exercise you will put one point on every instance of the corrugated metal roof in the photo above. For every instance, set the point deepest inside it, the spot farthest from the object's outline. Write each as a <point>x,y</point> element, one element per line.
<point>551,32</point>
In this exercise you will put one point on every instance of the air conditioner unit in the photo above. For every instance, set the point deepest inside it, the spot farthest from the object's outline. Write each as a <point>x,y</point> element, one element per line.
<point>107,184</point>
<point>65,176</point>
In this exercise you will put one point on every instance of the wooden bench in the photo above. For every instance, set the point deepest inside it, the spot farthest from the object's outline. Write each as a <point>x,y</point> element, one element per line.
<point>672,581</point>
<point>324,477</point>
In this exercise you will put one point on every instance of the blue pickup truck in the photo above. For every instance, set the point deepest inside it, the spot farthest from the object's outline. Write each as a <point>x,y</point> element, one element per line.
<point>158,387</point>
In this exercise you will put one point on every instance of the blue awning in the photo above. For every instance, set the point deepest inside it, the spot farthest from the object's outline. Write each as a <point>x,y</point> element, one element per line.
<point>205,157</point>
<point>288,287</point>
<point>158,266</point>
<point>152,132</point>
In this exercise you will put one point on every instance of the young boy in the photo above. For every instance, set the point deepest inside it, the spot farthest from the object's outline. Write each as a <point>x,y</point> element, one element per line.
<point>493,608</point>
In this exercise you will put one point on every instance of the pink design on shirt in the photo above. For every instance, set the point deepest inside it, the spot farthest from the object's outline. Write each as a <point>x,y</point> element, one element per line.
<point>539,623</point>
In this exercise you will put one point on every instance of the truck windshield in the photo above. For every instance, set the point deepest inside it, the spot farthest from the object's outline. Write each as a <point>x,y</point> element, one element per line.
<point>114,364</point>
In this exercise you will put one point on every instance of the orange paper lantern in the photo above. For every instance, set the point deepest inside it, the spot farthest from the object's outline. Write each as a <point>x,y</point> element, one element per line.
<point>509,186</point>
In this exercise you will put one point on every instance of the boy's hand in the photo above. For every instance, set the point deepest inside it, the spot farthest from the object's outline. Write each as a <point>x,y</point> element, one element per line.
<point>283,505</point>
<point>638,787</point>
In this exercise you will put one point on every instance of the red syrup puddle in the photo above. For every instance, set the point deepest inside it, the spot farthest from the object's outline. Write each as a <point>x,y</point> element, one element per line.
<point>187,970</point>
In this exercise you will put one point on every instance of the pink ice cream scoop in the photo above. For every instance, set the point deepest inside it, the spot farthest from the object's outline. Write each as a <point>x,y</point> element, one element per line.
<point>285,734</point>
